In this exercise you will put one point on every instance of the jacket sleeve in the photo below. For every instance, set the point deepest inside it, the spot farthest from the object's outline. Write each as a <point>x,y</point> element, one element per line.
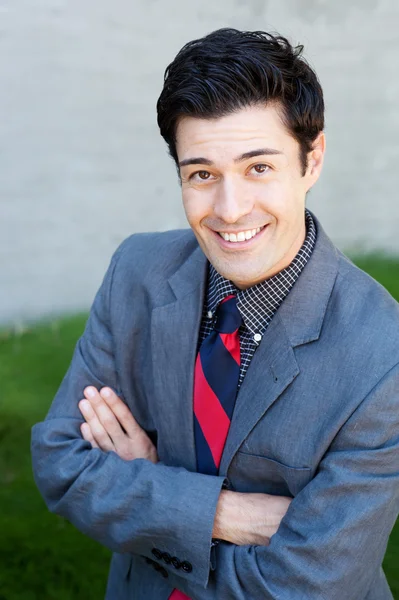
<point>128,506</point>
<point>332,540</point>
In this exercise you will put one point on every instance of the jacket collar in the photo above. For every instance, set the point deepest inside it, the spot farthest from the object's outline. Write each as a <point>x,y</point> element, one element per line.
<point>302,312</point>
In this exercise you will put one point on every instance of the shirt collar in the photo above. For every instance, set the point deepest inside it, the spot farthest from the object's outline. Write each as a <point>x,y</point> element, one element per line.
<point>258,304</point>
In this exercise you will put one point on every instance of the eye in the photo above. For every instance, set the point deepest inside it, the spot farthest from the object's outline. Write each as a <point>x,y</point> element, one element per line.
<point>260,168</point>
<point>201,175</point>
<point>204,175</point>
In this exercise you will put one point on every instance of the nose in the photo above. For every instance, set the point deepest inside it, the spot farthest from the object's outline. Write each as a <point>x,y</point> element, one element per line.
<point>232,201</point>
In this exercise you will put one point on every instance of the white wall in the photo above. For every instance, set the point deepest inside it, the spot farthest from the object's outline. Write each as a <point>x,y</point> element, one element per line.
<point>82,164</point>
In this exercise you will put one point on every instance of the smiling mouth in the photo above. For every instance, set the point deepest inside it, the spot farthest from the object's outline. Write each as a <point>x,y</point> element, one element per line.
<point>241,236</point>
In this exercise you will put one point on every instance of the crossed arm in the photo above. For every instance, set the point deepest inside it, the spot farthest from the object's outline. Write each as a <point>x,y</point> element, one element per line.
<point>328,545</point>
<point>248,521</point>
<point>241,519</point>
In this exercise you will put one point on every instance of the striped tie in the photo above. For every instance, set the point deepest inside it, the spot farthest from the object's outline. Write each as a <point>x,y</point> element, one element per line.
<point>216,375</point>
<point>217,370</point>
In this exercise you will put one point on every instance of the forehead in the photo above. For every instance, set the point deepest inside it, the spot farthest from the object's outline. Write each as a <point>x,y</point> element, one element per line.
<point>231,135</point>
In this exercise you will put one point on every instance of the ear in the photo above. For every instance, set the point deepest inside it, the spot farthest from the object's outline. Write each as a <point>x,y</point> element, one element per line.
<point>316,159</point>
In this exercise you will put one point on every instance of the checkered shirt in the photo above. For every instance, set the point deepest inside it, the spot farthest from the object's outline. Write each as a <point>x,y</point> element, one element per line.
<point>257,304</point>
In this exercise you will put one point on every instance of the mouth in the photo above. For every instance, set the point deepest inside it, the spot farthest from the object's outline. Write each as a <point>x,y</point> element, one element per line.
<point>239,239</point>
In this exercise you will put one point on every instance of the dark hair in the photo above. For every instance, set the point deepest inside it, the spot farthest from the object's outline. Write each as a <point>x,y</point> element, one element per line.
<point>230,69</point>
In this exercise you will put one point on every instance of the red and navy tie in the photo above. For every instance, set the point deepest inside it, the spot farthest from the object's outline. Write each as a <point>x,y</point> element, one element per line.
<point>216,375</point>
<point>217,370</point>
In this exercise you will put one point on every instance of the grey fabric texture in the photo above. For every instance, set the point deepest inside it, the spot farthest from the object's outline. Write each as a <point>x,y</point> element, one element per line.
<point>316,419</point>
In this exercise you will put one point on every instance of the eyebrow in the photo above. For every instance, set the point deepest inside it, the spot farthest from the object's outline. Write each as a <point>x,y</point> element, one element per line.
<point>200,160</point>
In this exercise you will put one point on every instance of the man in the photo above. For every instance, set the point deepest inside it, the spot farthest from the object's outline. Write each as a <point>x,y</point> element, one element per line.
<point>229,422</point>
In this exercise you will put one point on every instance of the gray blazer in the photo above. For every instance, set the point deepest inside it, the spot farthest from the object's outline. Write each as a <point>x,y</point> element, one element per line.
<point>316,419</point>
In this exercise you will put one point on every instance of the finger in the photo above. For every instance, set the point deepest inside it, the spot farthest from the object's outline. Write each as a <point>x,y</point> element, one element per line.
<point>121,411</point>
<point>105,415</point>
<point>87,435</point>
<point>99,434</point>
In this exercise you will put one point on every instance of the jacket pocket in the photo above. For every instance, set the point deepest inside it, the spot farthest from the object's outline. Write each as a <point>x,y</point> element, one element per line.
<point>254,473</point>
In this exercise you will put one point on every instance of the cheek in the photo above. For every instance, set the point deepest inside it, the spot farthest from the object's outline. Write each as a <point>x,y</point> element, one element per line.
<point>196,206</point>
<point>281,197</point>
<point>188,205</point>
<point>274,197</point>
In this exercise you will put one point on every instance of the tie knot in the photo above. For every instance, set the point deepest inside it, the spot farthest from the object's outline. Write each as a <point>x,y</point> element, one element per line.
<point>228,318</point>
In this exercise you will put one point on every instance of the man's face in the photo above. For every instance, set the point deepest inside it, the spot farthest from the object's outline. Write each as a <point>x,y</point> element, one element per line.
<point>244,191</point>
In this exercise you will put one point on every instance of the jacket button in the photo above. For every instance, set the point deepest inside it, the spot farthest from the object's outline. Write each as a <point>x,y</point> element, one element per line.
<point>176,562</point>
<point>166,557</point>
<point>157,553</point>
<point>186,566</point>
<point>163,572</point>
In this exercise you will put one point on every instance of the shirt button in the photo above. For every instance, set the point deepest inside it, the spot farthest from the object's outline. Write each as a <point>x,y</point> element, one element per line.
<point>257,338</point>
<point>210,314</point>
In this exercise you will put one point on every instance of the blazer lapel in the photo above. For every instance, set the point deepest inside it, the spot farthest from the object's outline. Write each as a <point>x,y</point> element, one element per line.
<point>174,336</point>
<point>274,367</point>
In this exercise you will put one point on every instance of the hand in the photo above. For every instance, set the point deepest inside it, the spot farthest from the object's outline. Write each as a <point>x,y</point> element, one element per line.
<point>248,519</point>
<point>111,426</point>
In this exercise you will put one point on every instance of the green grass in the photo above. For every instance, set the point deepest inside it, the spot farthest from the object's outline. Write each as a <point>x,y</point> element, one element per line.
<point>384,269</point>
<point>42,557</point>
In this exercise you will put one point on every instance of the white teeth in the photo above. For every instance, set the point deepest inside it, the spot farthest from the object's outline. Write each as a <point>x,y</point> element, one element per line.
<point>241,236</point>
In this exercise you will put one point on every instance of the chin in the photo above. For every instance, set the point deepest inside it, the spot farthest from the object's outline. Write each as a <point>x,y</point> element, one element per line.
<point>247,283</point>
<point>240,280</point>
